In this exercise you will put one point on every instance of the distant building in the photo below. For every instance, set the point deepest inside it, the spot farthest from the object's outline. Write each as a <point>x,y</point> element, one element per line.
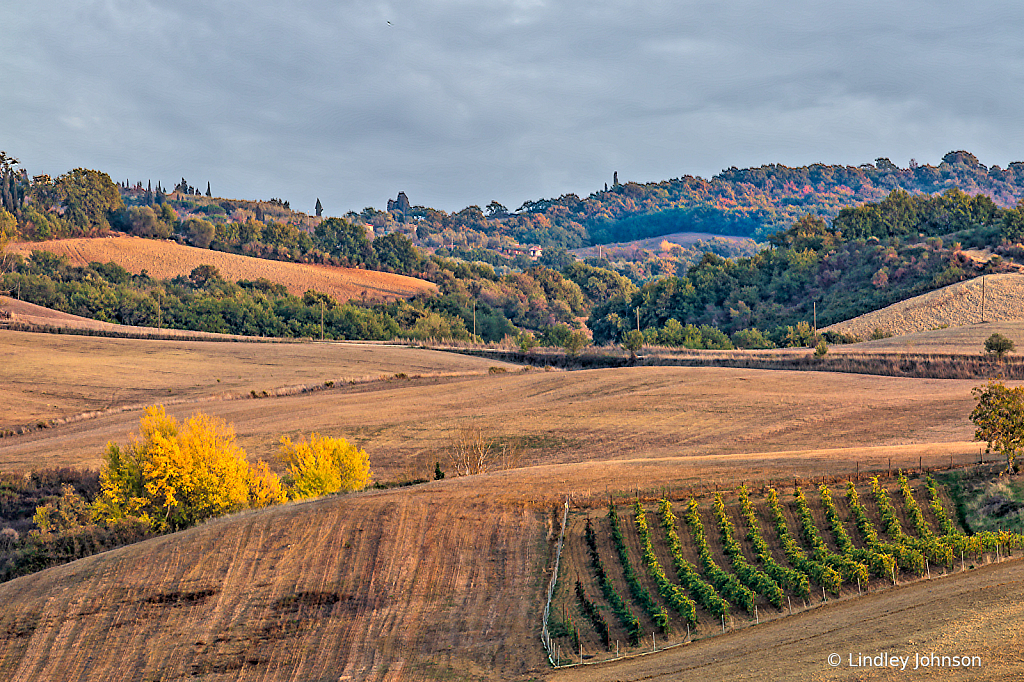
<point>533,252</point>
<point>400,205</point>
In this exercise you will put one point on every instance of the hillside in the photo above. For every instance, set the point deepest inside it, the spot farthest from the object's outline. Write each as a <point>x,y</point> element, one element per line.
<point>398,585</point>
<point>589,416</point>
<point>165,259</point>
<point>113,374</point>
<point>956,305</point>
<point>445,580</point>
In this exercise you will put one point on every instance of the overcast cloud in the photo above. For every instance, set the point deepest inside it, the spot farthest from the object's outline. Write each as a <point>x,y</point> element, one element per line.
<point>459,102</point>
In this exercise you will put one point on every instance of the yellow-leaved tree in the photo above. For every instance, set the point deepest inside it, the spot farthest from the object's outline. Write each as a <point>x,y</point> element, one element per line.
<point>323,466</point>
<point>174,476</point>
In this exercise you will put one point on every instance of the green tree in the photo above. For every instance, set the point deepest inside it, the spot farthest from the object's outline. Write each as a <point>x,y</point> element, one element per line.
<point>998,345</point>
<point>8,231</point>
<point>999,418</point>
<point>89,197</point>
<point>575,342</point>
<point>200,232</point>
<point>324,466</point>
<point>633,341</point>
<point>397,252</point>
<point>343,239</point>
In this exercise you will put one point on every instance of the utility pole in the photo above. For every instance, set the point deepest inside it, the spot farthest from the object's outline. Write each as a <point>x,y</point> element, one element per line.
<point>321,319</point>
<point>474,318</point>
<point>638,318</point>
<point>983,298</point>
<point>815,303</point>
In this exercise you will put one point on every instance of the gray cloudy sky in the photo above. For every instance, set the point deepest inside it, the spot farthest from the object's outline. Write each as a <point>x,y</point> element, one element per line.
<point>459,102</point>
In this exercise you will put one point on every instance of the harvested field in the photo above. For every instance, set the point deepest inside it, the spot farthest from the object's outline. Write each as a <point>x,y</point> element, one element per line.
<point>571,417</point>
<point>967,340</point>
<point>165,259</point>
<point>445,580</point>
<point>51,376</point>
<point>395,585</point>
<point>956,305</point>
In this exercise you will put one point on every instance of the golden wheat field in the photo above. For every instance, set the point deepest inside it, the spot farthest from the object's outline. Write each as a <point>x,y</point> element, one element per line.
<point>446,580</point>
<point>956,305</point>
<point>165,259</point>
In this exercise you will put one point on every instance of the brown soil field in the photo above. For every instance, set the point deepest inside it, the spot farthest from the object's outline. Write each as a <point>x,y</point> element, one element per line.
<point>394,585</point>
<point>166,259</point>
<point>662,414</point>
<point>956,305</point>
<point>51,376</point>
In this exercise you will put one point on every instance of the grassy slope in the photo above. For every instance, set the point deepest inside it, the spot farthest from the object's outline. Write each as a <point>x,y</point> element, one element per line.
<point>956,305</point>
<point>165,259</point>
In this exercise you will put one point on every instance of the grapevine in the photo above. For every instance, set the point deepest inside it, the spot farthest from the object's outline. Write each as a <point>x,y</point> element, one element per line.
<point>826,576</point>
<point>753,578</point>
<point>795,581</point>
<point>682,604</point>
<point>640,594</point>
<point>628,620</point>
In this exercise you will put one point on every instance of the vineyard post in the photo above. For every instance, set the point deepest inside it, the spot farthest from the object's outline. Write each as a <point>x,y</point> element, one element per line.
<point>790,604</point>
<point>928,568</point>
<point>823,597</point>
<point>858,586</point>
<point>894,574</point>
<point>581,653</point>
<point>723,622</point>
<point>757,621</point>
<point>687,630</point>
<point>963,566</point>
<point>654,641</point>
<point>920,466</point>
<point>616,648</point>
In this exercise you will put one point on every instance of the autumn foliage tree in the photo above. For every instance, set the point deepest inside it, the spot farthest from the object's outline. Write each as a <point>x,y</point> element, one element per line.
<point>174,476</point>
<point>323,466</point>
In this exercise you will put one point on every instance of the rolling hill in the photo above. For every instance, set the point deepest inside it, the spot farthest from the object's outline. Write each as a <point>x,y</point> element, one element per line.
<point>165,259</point>
<point>955,305</point>
<point>445,580</point>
